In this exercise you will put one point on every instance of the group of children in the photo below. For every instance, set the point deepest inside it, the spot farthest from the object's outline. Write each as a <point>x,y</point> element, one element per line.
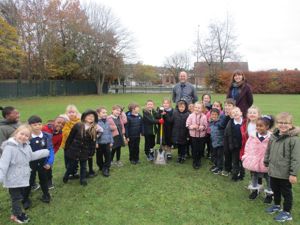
<point>233,144</point>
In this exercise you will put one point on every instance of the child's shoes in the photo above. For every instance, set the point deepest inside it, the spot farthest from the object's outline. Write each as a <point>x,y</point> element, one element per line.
<point>22,218</point>
<point>253,195</point>
<point>283,216</point>
<point>273,209</point>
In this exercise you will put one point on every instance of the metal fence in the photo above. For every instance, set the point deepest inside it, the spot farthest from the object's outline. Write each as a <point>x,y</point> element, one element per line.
<point>17,88</point>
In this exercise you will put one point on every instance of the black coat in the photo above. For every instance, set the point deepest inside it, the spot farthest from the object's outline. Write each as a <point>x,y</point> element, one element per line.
<point>180,131</point>
<point>150,122</point>
<point>167,129</point>
<point>79,144</point>
<point>245,98</point>
<point>231,142</point>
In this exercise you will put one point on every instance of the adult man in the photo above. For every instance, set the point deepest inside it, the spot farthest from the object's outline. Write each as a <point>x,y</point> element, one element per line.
<point>184,90</point>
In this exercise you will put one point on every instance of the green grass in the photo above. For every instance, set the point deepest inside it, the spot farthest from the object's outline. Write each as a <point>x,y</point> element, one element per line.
<point>146,193</point>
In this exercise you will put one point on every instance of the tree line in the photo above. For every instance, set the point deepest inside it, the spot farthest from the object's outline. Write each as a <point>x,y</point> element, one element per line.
<point>61,39</point>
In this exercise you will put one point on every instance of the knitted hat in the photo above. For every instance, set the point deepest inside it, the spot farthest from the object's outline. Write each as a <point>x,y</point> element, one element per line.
<point>34,119</point>
<point>88,112</point>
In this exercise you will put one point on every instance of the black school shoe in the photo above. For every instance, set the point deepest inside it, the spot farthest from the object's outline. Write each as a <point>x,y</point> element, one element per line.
<point>46,198</point>
<point>268,199</point>
<point>105,172</point>
<point>253,195</point>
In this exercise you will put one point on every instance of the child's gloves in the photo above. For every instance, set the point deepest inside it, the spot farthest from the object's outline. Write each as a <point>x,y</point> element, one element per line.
<point>161,121</point>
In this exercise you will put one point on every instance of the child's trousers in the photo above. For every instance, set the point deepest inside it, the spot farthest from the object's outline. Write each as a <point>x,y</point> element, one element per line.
<point>16,198</point>
<point>217,157</point>
<point>134,148</point>
<point>149,143</point>
<point>282,187</point>
<point>103,152</point>
<point>197,149</point>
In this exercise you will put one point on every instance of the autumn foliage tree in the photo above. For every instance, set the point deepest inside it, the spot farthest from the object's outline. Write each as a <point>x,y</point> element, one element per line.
<point>11,54</point>
<point>62,39</point>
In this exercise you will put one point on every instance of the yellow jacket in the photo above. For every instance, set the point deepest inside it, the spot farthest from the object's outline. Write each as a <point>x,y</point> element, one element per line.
<point>66,131</point>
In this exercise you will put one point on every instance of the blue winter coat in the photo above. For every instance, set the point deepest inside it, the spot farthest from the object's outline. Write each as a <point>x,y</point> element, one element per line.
<point>134,126</point>
<point>106,137</point>
<point>217,131</point>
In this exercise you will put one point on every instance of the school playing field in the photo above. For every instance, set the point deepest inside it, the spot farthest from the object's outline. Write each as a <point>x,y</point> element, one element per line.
<point>146,193</point>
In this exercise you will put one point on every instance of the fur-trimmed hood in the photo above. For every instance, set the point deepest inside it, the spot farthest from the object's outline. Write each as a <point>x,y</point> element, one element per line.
<point>295,131</point>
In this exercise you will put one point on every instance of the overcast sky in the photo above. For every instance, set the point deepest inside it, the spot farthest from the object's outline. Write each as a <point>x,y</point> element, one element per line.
<point>268,32</point>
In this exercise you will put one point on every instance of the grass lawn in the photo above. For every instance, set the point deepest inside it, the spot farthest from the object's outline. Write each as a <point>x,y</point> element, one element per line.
<point>146,193</point>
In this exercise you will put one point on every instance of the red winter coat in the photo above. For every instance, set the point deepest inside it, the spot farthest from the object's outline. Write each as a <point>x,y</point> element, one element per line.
<point>56,136</point>
<point>244,137</point>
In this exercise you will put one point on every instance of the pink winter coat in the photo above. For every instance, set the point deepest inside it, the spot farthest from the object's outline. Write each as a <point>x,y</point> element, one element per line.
<point>200,120</point>
<point>253,159</point>
<point>113,127</point>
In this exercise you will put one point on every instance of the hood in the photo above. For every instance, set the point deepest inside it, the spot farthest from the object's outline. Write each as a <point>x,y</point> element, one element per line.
<point>295,131</point>
<point>186,105</point>
<point>11,141</point>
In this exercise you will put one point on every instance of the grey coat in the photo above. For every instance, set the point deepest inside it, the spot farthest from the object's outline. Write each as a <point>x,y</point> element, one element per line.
<point>186,92</point>
<point>14,163</point>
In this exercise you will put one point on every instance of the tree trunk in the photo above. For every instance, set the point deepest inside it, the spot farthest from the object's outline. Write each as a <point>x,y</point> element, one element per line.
<point>99,83</point>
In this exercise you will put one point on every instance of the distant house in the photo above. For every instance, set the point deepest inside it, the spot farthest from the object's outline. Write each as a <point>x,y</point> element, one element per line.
<point>201,69</point>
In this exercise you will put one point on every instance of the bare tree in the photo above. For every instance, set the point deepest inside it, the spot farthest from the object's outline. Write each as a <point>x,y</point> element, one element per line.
<point>107,43</point>
<point>9,11</point>
<point>177,62</point>
<point>217,47</point>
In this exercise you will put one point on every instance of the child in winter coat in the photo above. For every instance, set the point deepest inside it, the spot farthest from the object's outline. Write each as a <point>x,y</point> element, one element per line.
<point>166,114</point>
<point>72,116</point>
<point>229,104</point>
<point>283,161</point>
<point>15,170</point>
<point>233,144</point>
<point>189,145</point>
<point>134,130</point>
<point>253,114</point>
<point>104,142</point>
<point>150,121</point>
<point>197,125</point>
<point>206,100</point>
<point>81,144</point>
<point>116,121</point>
<point>217,126</point>
<point>39,140</point>
<point>180,131</point>
<point>55,129</point>
<point>253,158</point>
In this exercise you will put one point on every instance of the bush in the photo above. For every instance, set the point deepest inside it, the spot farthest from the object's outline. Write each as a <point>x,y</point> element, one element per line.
<point>265,82</point>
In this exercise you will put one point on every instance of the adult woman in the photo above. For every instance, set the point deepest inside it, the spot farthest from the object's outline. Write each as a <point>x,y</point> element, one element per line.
<point>240,91</point>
